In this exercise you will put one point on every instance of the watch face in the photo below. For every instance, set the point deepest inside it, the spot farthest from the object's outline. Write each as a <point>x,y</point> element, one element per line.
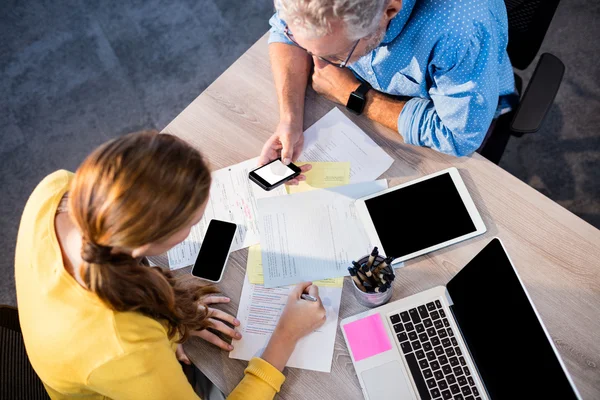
<point>356,103</point>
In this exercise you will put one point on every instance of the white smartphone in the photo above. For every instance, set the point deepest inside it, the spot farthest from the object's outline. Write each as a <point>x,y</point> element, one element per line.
<point>420,216</point>
<point>214,251</point>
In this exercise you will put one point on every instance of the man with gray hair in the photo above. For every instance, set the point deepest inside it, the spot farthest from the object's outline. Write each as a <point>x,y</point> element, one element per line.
<point>436,71</point>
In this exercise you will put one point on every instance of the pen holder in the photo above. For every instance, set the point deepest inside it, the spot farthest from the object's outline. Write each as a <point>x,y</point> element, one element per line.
<point>372,300</point>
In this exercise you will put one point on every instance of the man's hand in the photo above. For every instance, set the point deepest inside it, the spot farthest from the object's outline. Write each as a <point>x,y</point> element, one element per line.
<point>334,83</point>
<point>286,142</point>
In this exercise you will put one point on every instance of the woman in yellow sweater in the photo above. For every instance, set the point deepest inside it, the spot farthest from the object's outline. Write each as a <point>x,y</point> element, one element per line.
<point>97,321</point>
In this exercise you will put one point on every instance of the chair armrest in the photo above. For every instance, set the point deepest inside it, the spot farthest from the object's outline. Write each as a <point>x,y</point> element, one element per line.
<point>539,95</point>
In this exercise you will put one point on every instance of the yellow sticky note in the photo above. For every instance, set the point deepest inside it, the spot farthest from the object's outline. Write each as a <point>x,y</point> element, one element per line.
<point>254,266</point>
<point>322,175</point>
<point>255,270</point>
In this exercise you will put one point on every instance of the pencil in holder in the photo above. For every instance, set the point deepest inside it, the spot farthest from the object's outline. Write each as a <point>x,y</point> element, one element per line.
<point>373,291</point>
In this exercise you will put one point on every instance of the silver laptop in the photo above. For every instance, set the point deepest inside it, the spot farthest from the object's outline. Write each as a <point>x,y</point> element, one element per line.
<point>480,337</point>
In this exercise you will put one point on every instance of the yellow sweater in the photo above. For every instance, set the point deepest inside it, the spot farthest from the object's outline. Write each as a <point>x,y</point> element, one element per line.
<point>78,346</point>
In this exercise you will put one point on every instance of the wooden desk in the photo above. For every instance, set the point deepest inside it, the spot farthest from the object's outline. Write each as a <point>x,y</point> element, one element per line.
<point>556,253</point>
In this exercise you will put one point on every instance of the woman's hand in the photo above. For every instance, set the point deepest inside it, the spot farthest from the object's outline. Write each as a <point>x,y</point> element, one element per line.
<point>216,318</point>
<point>181,356</point>
<point>299,318</point>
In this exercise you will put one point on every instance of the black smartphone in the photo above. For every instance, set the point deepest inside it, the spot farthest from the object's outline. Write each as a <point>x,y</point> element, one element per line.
<point>273,174</point>
<point>214,251</point>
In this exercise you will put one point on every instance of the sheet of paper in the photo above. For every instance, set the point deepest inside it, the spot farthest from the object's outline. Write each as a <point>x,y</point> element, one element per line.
<point>367,337</point>
<point>313,235</point>
<point>259,312</point>
<point>335,138</point>
<point>254,269</point>
<point>232,198</point>
<point>323,175</point>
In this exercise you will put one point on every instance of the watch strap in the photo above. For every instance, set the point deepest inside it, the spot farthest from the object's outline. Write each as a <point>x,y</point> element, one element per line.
<point>363,89</point>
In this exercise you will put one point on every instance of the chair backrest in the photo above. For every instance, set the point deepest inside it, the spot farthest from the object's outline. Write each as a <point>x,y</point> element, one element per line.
<point>18,380</point>
<point>528,21</point>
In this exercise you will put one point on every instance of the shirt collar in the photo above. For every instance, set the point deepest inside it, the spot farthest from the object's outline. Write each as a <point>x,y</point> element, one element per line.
<point>398,22</point>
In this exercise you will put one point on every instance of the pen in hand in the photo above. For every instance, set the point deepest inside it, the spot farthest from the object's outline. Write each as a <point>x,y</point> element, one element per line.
<point>308,297</point>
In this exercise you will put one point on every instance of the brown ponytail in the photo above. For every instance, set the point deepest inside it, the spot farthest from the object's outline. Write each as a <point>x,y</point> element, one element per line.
<point>132,191</point>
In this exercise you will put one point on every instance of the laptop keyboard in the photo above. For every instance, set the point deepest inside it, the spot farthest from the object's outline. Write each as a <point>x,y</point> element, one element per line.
<point>431,350</point>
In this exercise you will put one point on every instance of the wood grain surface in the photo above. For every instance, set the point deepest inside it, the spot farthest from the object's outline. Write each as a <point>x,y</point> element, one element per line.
<point>556,253</point>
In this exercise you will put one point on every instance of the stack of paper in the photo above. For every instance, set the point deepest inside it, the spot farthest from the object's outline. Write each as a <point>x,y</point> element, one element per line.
<point>313,235</point>
<point>260,307</point>
<point>322,175</point>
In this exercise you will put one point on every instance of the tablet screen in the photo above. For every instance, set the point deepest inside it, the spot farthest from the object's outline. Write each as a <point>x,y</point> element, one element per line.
<point>419,216</point>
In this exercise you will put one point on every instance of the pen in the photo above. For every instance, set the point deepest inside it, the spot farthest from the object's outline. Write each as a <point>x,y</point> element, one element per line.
<point>361,276</point>
<point>365,269</point>
<point>374,254</point>
<point>384,264</point>
<point>308,297</point>
<point>357,266</point>
<point>356,280</point>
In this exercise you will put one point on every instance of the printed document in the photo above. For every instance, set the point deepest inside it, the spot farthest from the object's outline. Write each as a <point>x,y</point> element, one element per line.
<point>232,198</point>
<point>254,269</point>
<point>259,312</point>
<point>313,235</point>
<point>335,138</point>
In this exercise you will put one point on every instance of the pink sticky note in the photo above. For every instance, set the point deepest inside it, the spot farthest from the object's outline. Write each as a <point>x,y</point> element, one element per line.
<point>367,337</point>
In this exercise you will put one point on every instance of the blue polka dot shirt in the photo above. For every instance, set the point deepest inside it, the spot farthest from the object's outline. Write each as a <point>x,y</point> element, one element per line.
<point>450,58</point>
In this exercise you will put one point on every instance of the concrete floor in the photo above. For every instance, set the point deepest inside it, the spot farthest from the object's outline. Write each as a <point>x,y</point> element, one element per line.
<point>74,75</point>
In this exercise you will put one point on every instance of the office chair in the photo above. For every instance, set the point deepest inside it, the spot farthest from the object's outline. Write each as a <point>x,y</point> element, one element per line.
<point>18,380</point>
<point>528,22</point>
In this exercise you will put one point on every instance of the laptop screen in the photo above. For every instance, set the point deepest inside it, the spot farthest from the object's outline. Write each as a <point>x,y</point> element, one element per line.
<point>502,331</point>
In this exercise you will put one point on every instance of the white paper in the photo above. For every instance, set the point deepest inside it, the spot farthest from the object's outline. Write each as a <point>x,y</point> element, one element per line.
<point>259,312</point>
<point>232,198</point>
<point>313,235</point>
<point>336,138</point>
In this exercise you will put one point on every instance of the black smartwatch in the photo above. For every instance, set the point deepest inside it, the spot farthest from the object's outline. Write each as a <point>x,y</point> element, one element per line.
<point>358,99</point>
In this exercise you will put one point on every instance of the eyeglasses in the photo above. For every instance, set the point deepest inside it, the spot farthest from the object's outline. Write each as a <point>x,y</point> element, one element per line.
<point>336,63</point>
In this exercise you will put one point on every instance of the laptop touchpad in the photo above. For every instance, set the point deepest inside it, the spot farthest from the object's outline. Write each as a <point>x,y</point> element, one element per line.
<point>387,382</point>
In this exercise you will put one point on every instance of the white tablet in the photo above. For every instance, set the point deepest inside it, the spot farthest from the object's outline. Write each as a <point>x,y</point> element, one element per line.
<point>420,216</point>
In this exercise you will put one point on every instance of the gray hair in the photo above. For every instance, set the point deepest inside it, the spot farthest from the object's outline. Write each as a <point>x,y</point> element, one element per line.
<point>314,17</point>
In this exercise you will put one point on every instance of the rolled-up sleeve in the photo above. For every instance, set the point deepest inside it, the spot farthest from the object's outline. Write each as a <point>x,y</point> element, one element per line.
<point>276,34</point>
<point>464,98</point>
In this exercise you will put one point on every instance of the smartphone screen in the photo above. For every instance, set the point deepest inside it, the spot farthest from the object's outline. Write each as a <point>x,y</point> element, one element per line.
<point>214,250</point>
<point>274,172</point>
